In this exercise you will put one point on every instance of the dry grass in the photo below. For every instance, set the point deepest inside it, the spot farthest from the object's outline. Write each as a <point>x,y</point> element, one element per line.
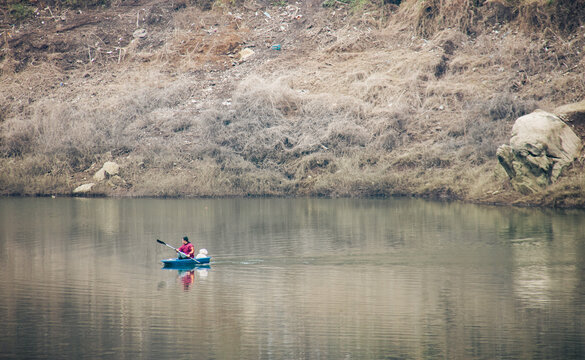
<point>392,111</point>
<point>430,16</point>
<point>89,127</point>
<point>199,39</point>
<point>471,16</point>
<point>33,175</point>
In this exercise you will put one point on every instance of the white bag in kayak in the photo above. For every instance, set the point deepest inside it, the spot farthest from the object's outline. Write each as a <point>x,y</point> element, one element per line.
<point>202,254</point>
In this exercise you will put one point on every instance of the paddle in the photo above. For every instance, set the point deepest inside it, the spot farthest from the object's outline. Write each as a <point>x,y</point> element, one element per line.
<point>180,252</point>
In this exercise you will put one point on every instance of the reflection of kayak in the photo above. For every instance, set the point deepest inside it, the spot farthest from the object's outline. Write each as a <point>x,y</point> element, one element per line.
<point>185,263</point>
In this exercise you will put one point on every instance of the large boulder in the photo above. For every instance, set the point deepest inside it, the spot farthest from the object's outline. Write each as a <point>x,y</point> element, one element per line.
<point>541,146</point>
<point>574,116</point>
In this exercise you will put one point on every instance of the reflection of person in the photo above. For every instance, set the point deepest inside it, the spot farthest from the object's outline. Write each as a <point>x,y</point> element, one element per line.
<point>188,279</point>
<point>187,249</point>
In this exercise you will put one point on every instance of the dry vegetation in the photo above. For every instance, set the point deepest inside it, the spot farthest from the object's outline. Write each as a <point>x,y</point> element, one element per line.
<point>405,98</point>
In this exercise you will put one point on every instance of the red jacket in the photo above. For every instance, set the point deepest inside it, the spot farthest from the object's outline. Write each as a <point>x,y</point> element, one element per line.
<point>187,249</point>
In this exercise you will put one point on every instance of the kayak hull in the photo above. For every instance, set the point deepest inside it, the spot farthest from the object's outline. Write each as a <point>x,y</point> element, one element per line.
<point>184,263</point>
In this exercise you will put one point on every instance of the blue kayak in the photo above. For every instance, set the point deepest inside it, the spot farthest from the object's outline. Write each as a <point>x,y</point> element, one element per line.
<point>182,263</point>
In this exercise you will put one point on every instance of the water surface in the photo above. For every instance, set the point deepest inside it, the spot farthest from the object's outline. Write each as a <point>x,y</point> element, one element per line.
<point>290,279</point>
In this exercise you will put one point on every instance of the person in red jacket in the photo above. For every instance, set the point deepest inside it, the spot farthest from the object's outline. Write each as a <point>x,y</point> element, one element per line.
<point>187,249</point>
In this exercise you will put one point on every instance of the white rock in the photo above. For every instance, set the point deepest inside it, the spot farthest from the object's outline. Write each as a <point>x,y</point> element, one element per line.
<point>100,175</point>
<point>82,189</point>
<point>246,53</point>
<point>109,169</point>
<point>139,33</point>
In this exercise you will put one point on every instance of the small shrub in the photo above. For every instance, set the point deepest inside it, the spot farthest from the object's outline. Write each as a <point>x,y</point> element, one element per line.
<point>505,106</point>
<point>332,3</point>
<point>431,16</point>
<point>343,136</point>
<point>16,137</point>
<point>355,5</point>
<point>20,11</point>
<point>84,3</point>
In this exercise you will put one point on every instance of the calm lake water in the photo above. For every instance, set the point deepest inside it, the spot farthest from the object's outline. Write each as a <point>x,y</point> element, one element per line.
<point>290,279</point>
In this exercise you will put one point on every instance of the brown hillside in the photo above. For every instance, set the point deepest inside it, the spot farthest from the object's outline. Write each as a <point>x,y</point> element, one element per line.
<point>408,98</point>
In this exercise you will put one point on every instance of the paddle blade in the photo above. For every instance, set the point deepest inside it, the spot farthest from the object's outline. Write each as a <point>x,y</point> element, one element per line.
<point>161,242</point>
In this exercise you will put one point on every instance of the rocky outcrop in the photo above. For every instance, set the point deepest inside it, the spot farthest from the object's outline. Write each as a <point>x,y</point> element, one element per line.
<point>109,169</point>
<point>541,146</point>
